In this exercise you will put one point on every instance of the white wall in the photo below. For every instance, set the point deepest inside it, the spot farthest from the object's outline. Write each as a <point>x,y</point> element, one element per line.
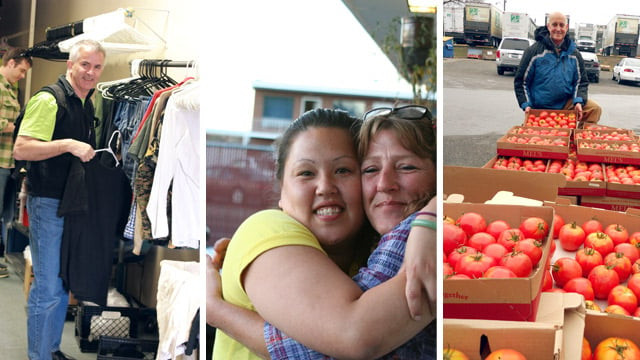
<point>178,22</point>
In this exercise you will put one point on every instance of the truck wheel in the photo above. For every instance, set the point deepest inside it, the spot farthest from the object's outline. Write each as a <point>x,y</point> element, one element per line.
<point>500,71</point>
<point>596,79</point>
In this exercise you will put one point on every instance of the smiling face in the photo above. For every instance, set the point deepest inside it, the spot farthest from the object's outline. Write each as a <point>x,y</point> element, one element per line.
<point>321,185</point>
<point>557,26</point>
<point>84,73</point>
<point>392,179</point>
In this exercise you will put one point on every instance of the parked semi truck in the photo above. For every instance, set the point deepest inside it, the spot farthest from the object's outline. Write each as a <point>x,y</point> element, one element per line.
<point>453,22</point>
<point>515,24</point>
<point>482,24</point>
<point>621,36</point>
<point>585,36</point>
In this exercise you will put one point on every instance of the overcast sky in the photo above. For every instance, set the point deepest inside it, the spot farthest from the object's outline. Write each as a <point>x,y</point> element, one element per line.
<point>296,42</point>
<point>579,11</point>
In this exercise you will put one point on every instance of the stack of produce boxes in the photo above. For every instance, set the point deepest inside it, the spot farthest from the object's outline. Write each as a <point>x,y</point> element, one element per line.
<point>601,163</point>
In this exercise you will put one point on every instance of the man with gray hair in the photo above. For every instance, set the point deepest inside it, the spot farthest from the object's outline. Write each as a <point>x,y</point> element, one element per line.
<point>49,141</point>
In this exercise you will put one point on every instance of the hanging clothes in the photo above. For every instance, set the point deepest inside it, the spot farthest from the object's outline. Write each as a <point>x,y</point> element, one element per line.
<point>95,203</point>
<point>179,167</point>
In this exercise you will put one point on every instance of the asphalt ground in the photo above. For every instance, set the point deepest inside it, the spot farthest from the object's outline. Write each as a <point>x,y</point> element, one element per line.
<point>479,106</point>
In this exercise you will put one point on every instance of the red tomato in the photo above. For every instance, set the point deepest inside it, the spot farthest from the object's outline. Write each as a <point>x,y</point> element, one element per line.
<point>565,269</point>
<point>624,297</point>
<point>534,227</point>
<point>581,286</point>
<point>635,267</point>
<point>620,264</point>
<point>618,233</point>
<point>586,349</point>
<point>603,279</point>
<point>506,354</point>
<point>518,262</point>
<point>495,250</point>
<point>634,238</point>
<point>480,239</point>
<point>458,277</point>
<point>474,265</point>
<point>591,226</point>
<point>447,270</point>
<point>616,348</point>
<point>499,271</point>
<point>634,284</point>
<point>453,354</point>
<point>558,222</point>
<point>496,227</point>
<point>599,241</point>
<point>458,253</point>
<point>571,236</point>
<point>629,250</point>
<point>532,248</point>
<point>471,223</point>
<point>588,258</point>
<point>616,309</point>
<point>547,280</point>
<point>510,237</point>
<point>452,237</point>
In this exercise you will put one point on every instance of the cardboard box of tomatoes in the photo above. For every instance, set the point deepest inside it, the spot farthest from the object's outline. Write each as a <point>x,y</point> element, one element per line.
<point>514,299</point>
<point>566,119</point>
<point>600,326</point>
<point>610,152</point>
<point>478,185</point>
<point>533,146</point>
<point>556,333</point>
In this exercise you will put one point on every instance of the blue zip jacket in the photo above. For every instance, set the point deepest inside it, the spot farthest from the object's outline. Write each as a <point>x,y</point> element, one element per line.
<point>547,79</point>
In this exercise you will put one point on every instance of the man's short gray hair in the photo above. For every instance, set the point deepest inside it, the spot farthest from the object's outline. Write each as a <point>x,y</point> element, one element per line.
<point>87,45</point>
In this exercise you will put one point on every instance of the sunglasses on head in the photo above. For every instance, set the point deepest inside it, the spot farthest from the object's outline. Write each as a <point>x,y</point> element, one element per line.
<point>407,112</point>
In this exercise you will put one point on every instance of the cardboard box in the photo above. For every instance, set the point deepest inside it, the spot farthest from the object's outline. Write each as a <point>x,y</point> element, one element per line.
<point>514,299</point>
<point>530,150</point>
<point>492,163</point>
<point>609,203</point>
<point>604,134</point>
<point>478,185</point>
<point>585,153</point>
<point>600,325</point>
<point>626,191</point>
<point>556,334</point>
<point>535,130</point>
<point>537,112</point>
<point>579,188</point>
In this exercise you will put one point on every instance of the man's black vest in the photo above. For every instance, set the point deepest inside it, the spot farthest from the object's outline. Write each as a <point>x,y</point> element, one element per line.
<point>47,178</point>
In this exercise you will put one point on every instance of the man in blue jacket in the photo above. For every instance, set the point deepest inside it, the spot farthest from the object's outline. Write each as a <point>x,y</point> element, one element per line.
<point>551,74</point>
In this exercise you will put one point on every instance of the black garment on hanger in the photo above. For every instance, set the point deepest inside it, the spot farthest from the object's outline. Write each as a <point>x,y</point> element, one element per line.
<point>95,206</point>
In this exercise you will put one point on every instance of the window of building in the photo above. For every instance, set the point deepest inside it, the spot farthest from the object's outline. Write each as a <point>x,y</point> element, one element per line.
<point>277,111</point>
<point>310,103</point>
<point>353,107</point>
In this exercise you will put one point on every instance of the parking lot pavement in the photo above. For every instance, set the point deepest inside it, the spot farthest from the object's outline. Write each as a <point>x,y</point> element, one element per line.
<point>479,106</point>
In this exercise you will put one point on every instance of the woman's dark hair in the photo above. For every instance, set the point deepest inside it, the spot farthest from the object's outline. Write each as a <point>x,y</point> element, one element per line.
<point>317,118</point>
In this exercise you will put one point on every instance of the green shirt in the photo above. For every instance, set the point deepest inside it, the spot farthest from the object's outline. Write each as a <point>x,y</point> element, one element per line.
<point>9,111</point>
<point>40,117</point>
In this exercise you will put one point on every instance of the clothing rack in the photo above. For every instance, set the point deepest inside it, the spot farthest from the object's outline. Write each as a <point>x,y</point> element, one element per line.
<point>152,64</point>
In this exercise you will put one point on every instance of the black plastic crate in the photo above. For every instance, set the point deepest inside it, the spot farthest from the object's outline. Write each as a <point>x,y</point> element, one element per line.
<point>114,348</point>
<point>86,341</point>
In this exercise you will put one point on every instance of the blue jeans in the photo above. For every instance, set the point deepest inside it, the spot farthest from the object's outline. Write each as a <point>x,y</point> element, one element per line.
<point>48,301</point>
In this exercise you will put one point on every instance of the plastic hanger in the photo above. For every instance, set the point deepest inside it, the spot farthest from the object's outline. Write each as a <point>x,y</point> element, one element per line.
<point>108,148</point>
